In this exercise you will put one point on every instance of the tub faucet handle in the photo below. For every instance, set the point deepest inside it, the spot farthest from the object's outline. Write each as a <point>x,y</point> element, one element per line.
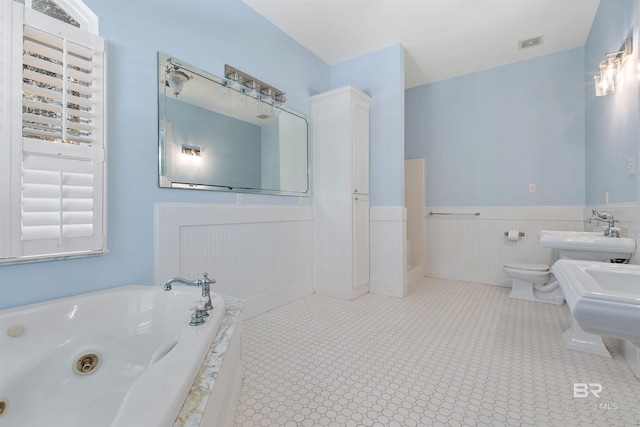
<point>198,304</point>
<point>199,313</point>
<point>206,290</point>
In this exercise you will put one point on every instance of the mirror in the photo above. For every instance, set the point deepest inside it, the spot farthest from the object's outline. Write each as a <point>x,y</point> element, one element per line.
<point>218,135</point>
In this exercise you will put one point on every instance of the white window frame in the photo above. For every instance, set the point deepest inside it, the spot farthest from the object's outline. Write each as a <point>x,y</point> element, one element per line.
<point>17,151</point>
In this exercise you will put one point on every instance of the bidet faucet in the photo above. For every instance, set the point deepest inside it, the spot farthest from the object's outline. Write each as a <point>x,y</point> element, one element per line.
<point>205,283</point>
<point>604,216</point>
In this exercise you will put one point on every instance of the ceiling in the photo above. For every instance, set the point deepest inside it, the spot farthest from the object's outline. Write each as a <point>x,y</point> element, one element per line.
<point>442,38</point>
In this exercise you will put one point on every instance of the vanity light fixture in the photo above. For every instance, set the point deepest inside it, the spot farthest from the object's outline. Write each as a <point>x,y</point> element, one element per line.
<point>190,150</point>
<point>605,79</point>
<point>176,78</point>
<point>256,88</point>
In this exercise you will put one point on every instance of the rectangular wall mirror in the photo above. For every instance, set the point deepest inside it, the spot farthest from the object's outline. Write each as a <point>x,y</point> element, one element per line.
<point>214,135</point>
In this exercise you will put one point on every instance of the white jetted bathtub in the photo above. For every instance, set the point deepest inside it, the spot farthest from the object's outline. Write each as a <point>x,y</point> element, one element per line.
<point>122,357</point>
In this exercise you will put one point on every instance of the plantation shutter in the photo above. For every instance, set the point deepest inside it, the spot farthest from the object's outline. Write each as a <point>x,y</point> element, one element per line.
<point>62,144</point>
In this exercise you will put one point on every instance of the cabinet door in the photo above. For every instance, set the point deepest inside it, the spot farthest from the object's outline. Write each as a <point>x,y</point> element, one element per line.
<point>360,147</point>
<point>360,240</point>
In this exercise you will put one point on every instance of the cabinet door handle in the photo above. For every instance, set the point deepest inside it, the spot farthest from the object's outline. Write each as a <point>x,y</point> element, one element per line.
<point>356,197</point>
<point>355,190</point>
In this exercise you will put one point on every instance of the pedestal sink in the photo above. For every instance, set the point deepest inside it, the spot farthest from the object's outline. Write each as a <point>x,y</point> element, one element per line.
<point>604,299</point>
<point>588,245</point>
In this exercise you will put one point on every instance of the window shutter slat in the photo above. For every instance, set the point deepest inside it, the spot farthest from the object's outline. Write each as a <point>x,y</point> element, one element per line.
<point>41,232</point>
<point>49,135</point>
<point>81,63</point>
<point>83,102</point>
<point>80,50</point>
<point>37,118</point>
<point>41,49</point>
<point>42,64</point>
<point>43,92</point>
<point>40,218</point>
<point>42,78</point>
<point>80,76</point>
<point>85,90</point>
<point>37,34</point>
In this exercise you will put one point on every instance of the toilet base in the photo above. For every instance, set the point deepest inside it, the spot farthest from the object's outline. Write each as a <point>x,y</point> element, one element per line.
<point>521,289</point>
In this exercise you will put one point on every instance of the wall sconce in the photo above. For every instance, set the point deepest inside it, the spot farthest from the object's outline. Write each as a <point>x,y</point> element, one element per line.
<point>189,150</point>
<point>257,89</point>
<point>605,79</point>
<point>176,78</point>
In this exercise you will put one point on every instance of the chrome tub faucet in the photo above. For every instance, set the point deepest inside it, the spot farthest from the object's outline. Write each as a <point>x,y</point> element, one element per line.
<point>205,283</point>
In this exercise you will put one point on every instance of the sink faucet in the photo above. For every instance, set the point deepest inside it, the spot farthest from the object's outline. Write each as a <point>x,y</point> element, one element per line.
<point>604,216</point>
<point>205,283</point>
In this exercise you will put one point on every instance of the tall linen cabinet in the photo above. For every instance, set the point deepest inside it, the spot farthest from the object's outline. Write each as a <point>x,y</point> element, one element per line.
<point>340,122</point>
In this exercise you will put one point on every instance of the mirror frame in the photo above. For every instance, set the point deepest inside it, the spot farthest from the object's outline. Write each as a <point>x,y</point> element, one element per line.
<point>163,180</point>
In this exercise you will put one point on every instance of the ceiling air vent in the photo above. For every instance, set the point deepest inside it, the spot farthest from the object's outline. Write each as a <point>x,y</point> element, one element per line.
<point>523,44</point>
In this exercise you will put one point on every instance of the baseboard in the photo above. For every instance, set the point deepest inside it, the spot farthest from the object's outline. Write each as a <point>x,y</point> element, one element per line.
<point>415,274</point>
<point>388,287</point>
<point>463,275</point>
<point>265,302</point>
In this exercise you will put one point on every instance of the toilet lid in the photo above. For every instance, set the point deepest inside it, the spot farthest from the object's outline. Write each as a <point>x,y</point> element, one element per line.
<point>528,267</point>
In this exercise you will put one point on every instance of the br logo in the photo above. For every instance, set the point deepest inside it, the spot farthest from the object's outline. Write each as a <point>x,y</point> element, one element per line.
<point>583,390</point>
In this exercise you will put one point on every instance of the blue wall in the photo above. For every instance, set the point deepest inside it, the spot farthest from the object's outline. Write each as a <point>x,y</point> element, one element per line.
<point>228,145</point>
<point>204,33</point>
<point>381,76</point>
<point>612,132</point>
<point>486,136</point>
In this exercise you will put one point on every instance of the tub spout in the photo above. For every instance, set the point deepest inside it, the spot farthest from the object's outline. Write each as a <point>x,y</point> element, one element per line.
<point>205,284</point>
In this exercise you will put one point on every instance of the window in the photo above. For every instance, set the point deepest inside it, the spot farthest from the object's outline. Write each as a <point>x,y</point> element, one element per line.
<point>52,108</point>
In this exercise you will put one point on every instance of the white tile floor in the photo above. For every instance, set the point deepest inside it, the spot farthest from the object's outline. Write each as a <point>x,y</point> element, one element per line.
<point>449,354</point>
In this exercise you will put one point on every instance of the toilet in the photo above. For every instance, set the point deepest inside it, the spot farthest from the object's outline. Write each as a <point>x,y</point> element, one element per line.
<point>533,282</point>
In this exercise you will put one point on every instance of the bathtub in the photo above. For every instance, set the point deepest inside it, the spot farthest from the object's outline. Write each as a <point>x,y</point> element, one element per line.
<point>122,357</point>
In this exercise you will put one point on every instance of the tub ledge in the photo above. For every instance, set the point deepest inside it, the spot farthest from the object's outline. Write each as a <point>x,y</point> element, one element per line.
<point>213,397</point>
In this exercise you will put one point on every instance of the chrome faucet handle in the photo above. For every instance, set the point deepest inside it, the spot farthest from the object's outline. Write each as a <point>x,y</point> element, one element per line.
<point>206,280</point>
<point>199,313</point>
<point>593,220</point>
<point>206,290</point>
<point>198,304</point>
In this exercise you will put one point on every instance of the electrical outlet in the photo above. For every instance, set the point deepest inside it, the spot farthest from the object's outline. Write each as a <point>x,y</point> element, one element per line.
<point>631,165</point>
<point>532,188</point>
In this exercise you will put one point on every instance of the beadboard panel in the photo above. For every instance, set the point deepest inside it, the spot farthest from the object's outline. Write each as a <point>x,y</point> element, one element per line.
<point>262,254</point>
<point>388,250</point>
<point>474,248</point>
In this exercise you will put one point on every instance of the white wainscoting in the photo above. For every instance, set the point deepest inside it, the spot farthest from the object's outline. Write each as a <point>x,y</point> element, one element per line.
<point>474,248</point>
<point>388,250</point>
<point>260,253</point>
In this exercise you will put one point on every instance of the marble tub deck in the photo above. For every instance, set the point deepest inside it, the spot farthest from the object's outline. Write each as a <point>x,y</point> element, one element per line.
<point>195,405</point>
